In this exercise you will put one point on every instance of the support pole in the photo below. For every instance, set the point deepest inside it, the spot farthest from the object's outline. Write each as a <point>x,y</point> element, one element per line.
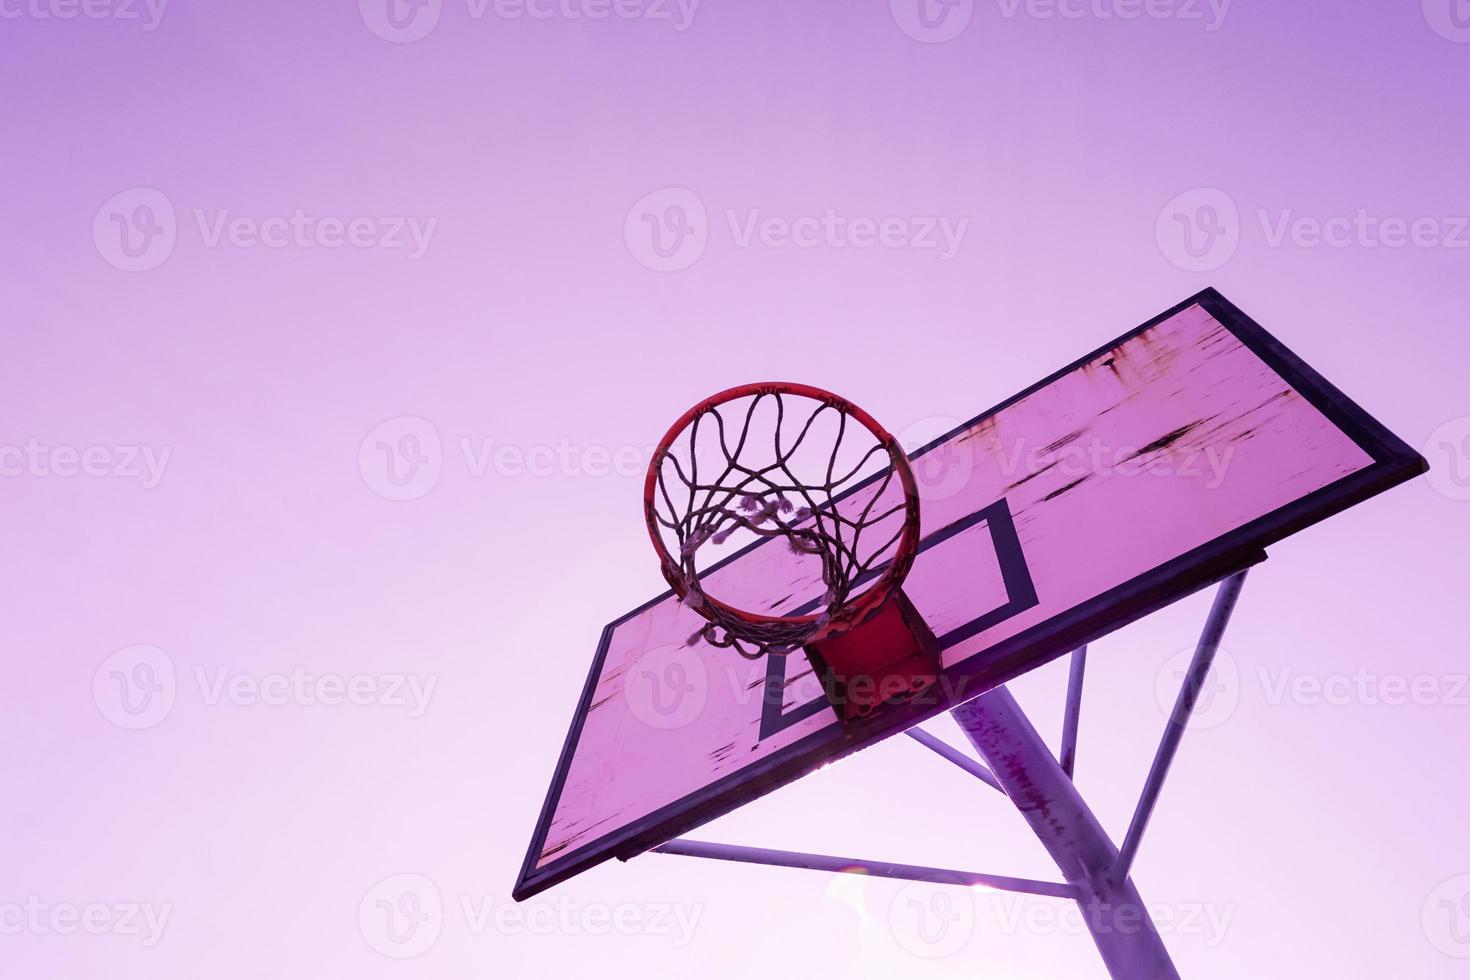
<point>1194,682</point>
<point>1034,780</point>
<point>1073,715</point>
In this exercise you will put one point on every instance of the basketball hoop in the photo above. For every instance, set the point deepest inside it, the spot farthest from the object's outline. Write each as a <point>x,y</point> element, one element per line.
<point>712,478</point>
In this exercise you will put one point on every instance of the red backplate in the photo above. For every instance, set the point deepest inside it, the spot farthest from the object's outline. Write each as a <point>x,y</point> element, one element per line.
<point>892,657</point>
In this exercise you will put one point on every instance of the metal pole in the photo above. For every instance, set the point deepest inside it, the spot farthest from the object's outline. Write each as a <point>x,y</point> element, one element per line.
<point>954,755</point>
<point>878,869</point>
<point>1194,681</point>
<point>1034,780</point>
<point>1072,717</point>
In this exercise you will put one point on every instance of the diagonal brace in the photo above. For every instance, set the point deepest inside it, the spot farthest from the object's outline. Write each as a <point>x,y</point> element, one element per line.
<point>1194,681</point>
<point>877,869</point>
<point>943,748</point>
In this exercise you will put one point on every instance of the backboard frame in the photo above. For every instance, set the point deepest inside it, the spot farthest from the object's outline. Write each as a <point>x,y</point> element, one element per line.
<point>1393,462</point>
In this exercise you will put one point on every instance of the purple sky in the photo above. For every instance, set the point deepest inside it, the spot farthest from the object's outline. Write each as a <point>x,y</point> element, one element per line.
<point>249,242</point>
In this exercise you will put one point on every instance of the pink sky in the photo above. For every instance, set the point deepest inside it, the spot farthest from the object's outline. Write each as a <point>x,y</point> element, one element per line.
<point>354,241</point>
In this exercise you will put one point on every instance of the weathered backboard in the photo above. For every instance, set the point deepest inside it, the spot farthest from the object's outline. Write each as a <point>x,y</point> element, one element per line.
<point>1153,466</point>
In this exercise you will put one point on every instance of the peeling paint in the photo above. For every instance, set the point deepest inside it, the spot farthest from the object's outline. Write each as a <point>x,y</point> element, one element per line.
<point>1061,490</point>
<point>1168,439</point>
<point>1031,476</point>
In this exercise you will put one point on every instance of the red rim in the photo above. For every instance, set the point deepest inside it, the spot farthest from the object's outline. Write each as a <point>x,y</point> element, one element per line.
<point>857,610</point>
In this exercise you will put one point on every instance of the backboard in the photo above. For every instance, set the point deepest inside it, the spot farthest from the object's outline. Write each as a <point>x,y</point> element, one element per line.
<point>1152,467</point>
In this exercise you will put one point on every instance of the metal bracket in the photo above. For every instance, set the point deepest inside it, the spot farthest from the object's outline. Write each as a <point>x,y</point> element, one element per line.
<point>1070,720</point>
